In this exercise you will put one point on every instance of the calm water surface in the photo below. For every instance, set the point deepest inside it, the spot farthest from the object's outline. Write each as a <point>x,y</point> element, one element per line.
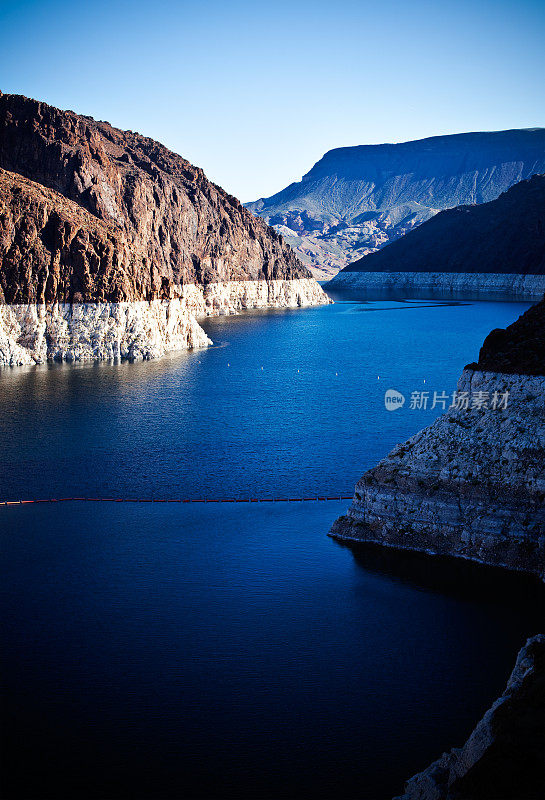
<point>161,651</point>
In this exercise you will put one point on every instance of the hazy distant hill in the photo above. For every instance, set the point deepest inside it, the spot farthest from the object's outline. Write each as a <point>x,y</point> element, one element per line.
<point>357,199</point>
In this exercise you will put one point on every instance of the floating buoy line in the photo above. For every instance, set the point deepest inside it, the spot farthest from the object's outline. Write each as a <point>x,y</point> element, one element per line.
<point>322,499</point>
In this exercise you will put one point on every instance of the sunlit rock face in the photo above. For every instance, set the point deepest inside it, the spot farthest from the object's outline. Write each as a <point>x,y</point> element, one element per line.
<point>472,484</point>
<point>34,333</point>
<point>356,200</point>
<point>96,222</point>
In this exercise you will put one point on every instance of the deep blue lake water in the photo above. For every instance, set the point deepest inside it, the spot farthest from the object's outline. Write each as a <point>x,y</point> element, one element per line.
<point>162,651</point>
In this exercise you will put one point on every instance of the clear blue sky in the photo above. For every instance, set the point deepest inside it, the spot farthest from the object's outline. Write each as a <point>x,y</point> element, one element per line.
<point>256,92</point>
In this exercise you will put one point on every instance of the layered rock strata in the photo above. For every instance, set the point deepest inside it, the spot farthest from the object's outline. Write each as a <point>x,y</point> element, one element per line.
<point>33,333</point>
<point>472,484</point>
<point>503,757</point>
<point>112,246</point>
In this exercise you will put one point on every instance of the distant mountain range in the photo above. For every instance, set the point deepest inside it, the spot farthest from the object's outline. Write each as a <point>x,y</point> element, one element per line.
<point>355,200</point>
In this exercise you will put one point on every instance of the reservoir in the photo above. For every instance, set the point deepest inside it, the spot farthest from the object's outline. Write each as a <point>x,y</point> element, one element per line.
<point>154,650</point>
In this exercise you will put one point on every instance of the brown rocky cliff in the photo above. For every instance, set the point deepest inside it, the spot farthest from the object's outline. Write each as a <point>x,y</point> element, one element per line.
<point>51,249</point>
<point>179,227</point>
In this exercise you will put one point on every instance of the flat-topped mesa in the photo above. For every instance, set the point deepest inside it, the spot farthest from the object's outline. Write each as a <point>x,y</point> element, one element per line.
<point>90,215</point>
<point>355,200</point>
<point>472,484</point>
<point>497,248</point>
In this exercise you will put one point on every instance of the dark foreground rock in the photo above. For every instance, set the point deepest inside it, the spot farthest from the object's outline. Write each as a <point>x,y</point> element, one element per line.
<point>504,757</point>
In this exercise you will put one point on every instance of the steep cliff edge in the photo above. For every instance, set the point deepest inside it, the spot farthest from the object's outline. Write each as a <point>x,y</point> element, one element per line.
<point>503,757</point>
<point>355,200</point>
<point>111,245</point>
<point>472,484</point>
<point>494,247</point>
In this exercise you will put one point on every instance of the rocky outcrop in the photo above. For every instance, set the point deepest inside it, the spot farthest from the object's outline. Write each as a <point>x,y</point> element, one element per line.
<point>355,200</point>
<point>95,223</point>
<point>472,484</point>
<point>187,229</point>
<point>497,246</point>
<point>503,757</point>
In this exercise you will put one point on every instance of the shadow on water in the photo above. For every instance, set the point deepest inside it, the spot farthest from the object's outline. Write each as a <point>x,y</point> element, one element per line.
<point>456,578</point>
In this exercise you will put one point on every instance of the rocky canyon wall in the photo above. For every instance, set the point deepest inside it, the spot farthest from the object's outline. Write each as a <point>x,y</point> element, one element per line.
<point>112,246</point>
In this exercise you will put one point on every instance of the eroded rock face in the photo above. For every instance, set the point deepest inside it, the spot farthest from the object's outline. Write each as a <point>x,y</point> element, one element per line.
<point>54,251</point>
<point>472,484</point>
<point>111,246</point>
<point>184,228</point>
<point>33,333</point>
<point>503,757</point>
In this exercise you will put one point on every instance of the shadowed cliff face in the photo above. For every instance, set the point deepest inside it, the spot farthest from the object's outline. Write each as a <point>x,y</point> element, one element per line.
<point>355,200</point>
<point>503,757</point>
<point>179,227</point>
<point>506,235</point>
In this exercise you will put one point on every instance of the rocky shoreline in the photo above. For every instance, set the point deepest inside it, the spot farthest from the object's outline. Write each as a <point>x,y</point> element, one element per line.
<point>133,330</point>
<point>442,284</point>
<point>471,485</point>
